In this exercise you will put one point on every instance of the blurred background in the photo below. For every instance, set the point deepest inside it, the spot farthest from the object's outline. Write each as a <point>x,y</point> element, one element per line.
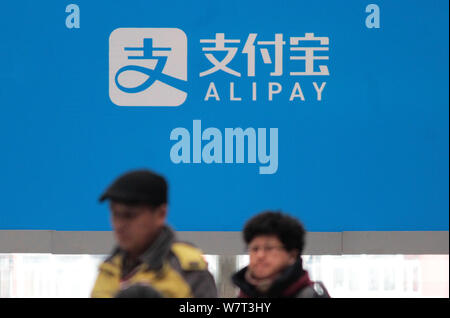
<point>376,276</point>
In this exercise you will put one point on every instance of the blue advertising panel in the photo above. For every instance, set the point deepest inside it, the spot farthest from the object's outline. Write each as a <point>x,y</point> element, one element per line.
<point>334,112</point>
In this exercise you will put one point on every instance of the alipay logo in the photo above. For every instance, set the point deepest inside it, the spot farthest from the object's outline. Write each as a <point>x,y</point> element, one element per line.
<point>147,67</point>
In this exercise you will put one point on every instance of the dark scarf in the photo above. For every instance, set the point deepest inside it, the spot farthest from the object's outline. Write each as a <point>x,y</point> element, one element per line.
<point>288,284</point>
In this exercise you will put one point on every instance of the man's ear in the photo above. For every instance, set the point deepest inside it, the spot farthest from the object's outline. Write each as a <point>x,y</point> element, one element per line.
<point>161,212</point>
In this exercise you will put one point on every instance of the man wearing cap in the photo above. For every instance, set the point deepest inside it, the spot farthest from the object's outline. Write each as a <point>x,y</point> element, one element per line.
<point>147,252</point>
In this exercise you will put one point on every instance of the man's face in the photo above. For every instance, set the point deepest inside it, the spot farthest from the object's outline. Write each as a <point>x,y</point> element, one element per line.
<point>135,227</point>
<point>268,257</point>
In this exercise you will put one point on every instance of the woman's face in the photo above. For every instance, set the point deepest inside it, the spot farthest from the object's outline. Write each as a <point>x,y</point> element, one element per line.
<point>268,257</point>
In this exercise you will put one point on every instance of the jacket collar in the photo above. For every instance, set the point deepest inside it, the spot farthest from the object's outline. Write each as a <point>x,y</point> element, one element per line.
<point>156,253</point>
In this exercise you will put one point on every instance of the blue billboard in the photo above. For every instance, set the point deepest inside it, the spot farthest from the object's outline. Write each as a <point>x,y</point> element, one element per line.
<point>335,113</point>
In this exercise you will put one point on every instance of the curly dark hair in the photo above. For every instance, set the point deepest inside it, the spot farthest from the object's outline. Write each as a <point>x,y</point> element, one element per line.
<point>287,229</point>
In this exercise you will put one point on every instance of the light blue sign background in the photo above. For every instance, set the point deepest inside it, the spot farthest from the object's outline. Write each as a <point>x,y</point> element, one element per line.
<point>372,155</point>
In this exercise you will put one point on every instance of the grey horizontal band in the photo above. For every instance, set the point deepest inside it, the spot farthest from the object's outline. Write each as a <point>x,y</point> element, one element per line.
<point>230,243</point>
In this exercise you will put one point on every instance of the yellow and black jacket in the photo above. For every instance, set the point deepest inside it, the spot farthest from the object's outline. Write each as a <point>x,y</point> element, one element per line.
<point>174,269</point>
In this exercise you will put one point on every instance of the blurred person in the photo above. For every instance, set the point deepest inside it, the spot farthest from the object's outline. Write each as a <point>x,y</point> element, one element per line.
<point>147,251</point>
<point>275,244</point>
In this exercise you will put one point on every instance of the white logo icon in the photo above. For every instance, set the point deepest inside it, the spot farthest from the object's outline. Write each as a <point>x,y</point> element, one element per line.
<point>147,67</point>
